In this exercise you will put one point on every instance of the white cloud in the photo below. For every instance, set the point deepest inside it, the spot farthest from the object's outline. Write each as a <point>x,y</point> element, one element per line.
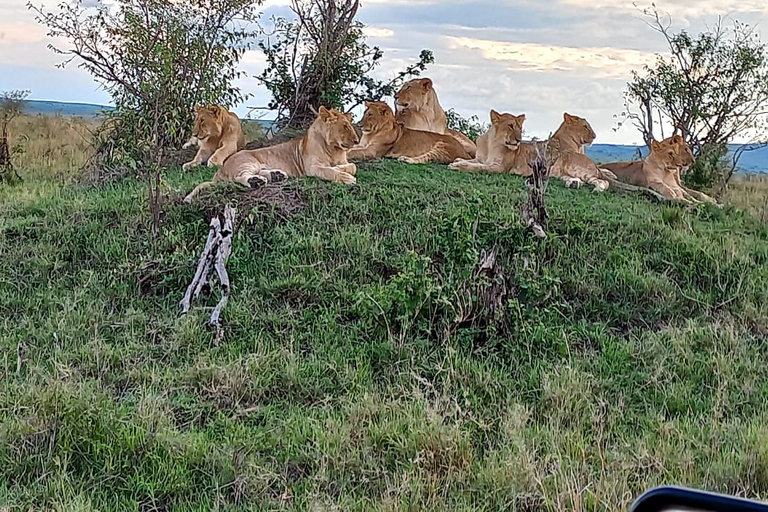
<point>599,62</point>
<point>676,8</point>
<point>378,32</point>
<point>21,33</point>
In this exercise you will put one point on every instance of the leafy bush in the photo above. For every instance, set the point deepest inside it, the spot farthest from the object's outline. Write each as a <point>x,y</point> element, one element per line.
<point>471,127</point>
<point>157,59</point>
<point>322,58</point>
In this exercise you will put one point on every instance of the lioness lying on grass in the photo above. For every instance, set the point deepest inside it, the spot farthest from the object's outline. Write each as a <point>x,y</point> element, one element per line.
<point>660,171</point>
<point>418,108</point>
<point>500,149</point>
<point>383,137</point>
<point>321,152</point>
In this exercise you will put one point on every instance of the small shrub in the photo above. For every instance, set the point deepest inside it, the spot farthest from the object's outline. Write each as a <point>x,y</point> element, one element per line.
<point>471,127</point>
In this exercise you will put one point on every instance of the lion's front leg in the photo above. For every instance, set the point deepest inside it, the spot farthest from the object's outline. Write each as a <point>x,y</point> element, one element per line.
<point>221,154</point>
<point>202,155</point>
<point>477,166</point>
<point>348,168</point>
<point>668,192</point>
<point>193,141</point>
<point>334,174</point>
<point>368,152</point>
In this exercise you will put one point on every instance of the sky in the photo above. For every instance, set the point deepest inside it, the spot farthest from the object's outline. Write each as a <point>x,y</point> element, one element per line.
<point>538,57</point>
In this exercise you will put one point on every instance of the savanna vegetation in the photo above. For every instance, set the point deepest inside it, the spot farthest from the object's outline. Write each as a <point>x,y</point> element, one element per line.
<point>406,343</point>
<point>367,363</point>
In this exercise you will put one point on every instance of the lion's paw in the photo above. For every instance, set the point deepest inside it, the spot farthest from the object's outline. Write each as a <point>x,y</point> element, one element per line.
<point>257,181</point>
<point>346,178</point>
<point>277,176</point>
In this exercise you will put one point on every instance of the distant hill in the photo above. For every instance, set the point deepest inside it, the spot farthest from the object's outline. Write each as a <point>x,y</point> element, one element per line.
<point>50,108</point>
<point>87,110</point>
<point>751,162</point>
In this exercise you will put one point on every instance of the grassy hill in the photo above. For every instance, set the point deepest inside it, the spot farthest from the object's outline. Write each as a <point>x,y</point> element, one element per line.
<point>359,371</point>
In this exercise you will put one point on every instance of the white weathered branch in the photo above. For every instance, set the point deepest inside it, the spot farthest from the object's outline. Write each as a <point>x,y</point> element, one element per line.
<point>218,248</point>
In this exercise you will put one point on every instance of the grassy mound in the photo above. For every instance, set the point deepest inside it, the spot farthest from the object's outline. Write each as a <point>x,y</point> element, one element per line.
<point>368,363</point>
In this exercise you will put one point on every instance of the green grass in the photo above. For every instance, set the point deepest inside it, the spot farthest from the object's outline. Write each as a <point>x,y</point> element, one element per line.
<point>358,371</point>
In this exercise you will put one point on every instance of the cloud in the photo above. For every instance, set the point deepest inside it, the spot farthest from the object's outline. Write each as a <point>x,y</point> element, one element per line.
<point>378,32</point>
<point>676,8</point>
<point>21,33</point>
<point>600,62</point>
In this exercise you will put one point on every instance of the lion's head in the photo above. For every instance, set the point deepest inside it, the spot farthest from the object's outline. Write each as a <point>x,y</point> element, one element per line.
<point>336,128</point>
<point>209,121</point>
<point>415,94</point>
<point>578,129</point>
<point>377,115</point>
<point>673,152</point>
<point>507,129</point>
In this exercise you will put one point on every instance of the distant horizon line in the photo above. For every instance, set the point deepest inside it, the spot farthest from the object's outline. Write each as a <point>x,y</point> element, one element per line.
<point>634,145</point>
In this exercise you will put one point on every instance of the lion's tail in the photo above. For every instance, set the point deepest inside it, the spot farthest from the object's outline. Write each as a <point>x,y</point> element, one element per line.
<point>198,188</point>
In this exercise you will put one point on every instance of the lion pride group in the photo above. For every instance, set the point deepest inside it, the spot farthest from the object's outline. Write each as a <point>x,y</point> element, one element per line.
<point>416,132</point>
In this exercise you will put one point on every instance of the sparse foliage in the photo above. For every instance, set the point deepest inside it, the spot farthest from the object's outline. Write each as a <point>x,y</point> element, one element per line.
<point>471,127</point>
<point>11,105</point>
<point>321,57</point>
<point>139,50</point>
<point>712,89</point>
<point>157,59</point>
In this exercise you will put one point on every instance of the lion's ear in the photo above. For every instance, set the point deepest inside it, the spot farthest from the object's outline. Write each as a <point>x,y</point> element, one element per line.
<point>655,145</point>
<point>426,83</point>
<point>677,139</point>
<point>367,103</point>
<point>568,117</point>
<point>199,107</point>
<point>324,112</point>
<point>495,117</point>
<point>213,109</point>
<point>521,118</point>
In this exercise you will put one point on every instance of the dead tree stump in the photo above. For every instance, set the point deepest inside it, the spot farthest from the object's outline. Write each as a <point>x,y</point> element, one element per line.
<point>212,261</point>
<point>535,210</point>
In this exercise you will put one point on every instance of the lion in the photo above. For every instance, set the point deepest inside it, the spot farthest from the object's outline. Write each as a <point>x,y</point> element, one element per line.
<point>500,149</point>
<point>417,107</point>
<point>321,152</point>
<point>660,171</point>
<point>218,134</point>
<point>383,137</point>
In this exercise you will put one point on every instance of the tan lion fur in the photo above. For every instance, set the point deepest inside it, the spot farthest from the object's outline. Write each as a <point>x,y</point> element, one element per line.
<point>660,171</point>
<point>500,149</point>
<point>384,137</point>
<point>418,108</point>
<point>218,134</point>
<point>321,152</point>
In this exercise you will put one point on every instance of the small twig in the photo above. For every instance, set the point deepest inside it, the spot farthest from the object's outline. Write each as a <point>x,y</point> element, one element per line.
<point>20,353</point>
